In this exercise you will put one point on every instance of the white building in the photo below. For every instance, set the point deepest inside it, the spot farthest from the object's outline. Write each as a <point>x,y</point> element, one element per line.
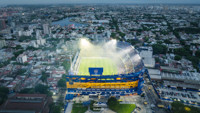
<point>13,24</point>
<point>20,33</point>
<point>108,34</point>
<point>56,75</point>
<point>101,21</point>
<point>146,54</point>
<point>33,44</point>
<point>25,33</point>
<point>42,41</point>
<point>22,58</point>
<point>38,34</point>
<point>46,28</point>
<point>2,43</point>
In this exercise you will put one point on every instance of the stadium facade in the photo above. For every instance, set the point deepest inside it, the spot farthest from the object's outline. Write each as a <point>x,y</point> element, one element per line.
<point>126,79</point>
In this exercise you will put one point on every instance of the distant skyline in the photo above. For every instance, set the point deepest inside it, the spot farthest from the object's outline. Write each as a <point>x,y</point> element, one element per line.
<point>7,2</point>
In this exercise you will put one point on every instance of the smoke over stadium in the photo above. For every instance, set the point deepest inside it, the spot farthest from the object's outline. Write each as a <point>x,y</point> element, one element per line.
<point>107,55</point>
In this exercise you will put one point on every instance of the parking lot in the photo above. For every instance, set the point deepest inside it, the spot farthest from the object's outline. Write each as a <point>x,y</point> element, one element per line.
<point>190,97</point>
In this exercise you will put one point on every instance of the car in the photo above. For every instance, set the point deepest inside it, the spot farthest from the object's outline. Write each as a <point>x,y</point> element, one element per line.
<point>145,103</point>
<point>138,108</point>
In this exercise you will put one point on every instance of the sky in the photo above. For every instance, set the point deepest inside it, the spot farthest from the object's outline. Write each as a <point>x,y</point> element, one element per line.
<point>5,2</point>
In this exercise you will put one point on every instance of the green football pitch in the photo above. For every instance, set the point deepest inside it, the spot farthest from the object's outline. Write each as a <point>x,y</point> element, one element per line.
<point>109,67</point>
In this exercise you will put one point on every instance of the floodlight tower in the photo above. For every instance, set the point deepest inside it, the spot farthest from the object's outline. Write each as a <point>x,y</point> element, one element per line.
<point>70,56</point>
<point>69,46</point>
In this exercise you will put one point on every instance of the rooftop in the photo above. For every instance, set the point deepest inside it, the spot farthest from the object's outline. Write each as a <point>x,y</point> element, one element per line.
<point>36,103</point>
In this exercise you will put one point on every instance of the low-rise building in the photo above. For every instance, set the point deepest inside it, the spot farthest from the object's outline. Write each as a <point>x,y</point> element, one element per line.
<point>27,103</point>
<point>22,58</point>
<point>2,43</point>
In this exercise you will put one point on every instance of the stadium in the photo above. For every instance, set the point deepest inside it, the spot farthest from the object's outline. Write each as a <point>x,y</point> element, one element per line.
<point>110,68</point>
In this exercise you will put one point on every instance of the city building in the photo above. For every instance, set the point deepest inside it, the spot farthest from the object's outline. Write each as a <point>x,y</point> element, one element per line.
<point>147,55</point>
<point>38,34</point>
<point>46,28</point>
<point>172,84</point>
<point>25,33</point>
<point>27,103</point>
<point>2,43</point>
<point>2,24</point>
<point>22,58</point>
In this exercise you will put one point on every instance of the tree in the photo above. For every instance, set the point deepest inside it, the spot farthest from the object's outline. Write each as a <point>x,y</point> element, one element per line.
<point>159,49</point>
<point>43,89</point>
<point>49,94</point>
<point>157,59</point>
<point>18,47</point>
<point>44,77</point>
<point>62,83</point>
<point>113,34</point>
<point>22,38</point>
<point>178,107</point>
<point>182,42</point>
<point>177,57</point>
<point>4,63</point>
<point>121,34</point>
<point>176,34</point>
<point>146,39</point>
<point>182,52</point>
<point>4,90</point>
<point>31,48</point>
<point>91,104</point>
<point>188,30</point>
<point>113,103</point>
<point>63,76</point>
<point>167,41</point>
<point>55,108</point>
<point>66,65</point>
<point>100,28</point>
<point>197,54</point>
<point>3,94</point>
<point>133,41</point>
<point>20,71</point>
<point>28,91</point>
<point>195,60</point>
<point>18,52</point>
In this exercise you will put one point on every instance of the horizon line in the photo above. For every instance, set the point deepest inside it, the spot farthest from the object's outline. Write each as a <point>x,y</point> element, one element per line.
<point>103,3</point>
